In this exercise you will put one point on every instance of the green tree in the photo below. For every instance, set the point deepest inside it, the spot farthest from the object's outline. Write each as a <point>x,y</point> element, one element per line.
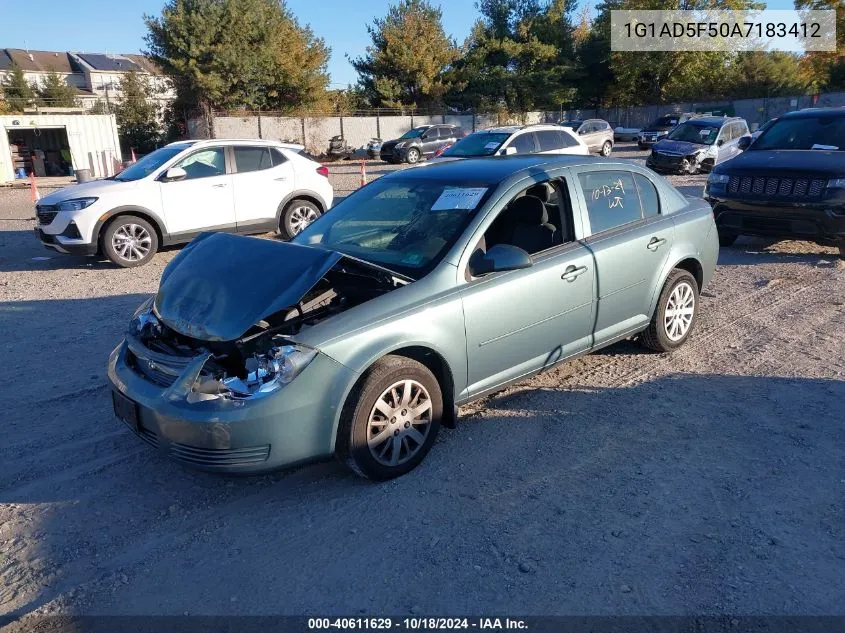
<point>636,78</point>
<point>409,55</point>
<point>137,115</point>
<point>235,54</point>
<point>54,92</point>
<point>766,74</point>
<point>519,56</point>
<point>17,91</point>
<point>826,70</point>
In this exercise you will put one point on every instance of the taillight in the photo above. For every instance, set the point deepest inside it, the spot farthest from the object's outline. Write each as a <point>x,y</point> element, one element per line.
<point>323,171</point>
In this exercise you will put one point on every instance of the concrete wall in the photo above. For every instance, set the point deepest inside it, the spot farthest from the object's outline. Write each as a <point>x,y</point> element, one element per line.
<point>358,130</point>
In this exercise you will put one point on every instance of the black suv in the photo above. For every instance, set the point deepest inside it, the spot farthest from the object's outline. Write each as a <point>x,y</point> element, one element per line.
<point>789,183</point>
<point>657,130</point>
<point>422,141</point>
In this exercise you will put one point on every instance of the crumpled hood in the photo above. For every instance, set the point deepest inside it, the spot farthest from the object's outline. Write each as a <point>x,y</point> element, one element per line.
<point>682,148</point>
<point>220,285</point>
<point>92,188</point>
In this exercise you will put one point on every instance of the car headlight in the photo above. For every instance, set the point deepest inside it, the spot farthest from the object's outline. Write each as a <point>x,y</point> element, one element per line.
<point>400,145</point>
<point>144,318</point>
<point>836,183</point>
<point>269,372</point>
<point>76,204</point>
<point>718,179</point>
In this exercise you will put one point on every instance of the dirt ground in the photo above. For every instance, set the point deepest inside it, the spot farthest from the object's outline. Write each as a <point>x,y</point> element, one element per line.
<point>711,481</point>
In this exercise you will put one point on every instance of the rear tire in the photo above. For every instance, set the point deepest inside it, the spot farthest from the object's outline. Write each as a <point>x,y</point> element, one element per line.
<point>380,437</point>
<point>727,239</point>
<point>129,241</point>
<point>674,317</point>
<point>297,214</point>
<point>606,148</point>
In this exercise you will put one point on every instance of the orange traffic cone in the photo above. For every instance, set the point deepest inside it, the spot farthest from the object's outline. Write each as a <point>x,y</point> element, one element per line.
<point>363,174</point>
<point>132,149</point>
<point>33,188</point>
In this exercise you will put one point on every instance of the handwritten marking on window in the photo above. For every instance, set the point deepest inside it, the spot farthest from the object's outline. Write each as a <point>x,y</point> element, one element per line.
<point>610,192</point>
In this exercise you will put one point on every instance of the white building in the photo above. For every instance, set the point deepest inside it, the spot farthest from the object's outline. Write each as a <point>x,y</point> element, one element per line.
<point>96,76</point>
<point>58,145</point>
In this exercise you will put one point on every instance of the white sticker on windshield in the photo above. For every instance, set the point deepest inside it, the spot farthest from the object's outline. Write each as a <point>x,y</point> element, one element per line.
<point>492,145</point>
<point>459,198</point>
<point>704,132</point>
<point>830,147</point>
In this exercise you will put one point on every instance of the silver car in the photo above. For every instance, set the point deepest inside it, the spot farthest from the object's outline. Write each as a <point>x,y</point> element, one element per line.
<point>596,133</point>
<point>422,291</point>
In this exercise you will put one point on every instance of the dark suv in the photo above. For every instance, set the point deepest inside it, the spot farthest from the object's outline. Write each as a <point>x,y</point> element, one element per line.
<point>422,141</point>
<point>657,130</point>
<point>789,183</point>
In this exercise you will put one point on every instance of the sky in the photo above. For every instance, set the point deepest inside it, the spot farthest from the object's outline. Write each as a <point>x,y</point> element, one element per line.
<point>110,26</point>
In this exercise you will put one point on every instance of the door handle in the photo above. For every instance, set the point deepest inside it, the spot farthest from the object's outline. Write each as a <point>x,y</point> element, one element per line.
<point>572,273</point>
<point>220,185</point>
<point>280,178</point>
<point>655,243</point>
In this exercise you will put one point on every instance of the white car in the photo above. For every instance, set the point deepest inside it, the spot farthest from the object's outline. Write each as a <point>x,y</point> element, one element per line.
<point>182,189</point>
<point>539,138</point>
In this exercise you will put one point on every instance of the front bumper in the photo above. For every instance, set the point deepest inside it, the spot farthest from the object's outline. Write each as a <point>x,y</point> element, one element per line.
<point>661,162</point>
<point>393,155</point>
<point>293,425</point>
<point>59,244</point>
<point>818,222</point>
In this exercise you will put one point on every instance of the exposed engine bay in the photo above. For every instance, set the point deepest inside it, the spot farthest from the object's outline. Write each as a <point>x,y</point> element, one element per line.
<point>265,356</point>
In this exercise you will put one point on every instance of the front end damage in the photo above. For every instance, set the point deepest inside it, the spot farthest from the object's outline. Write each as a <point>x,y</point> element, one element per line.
<point>198,387</point>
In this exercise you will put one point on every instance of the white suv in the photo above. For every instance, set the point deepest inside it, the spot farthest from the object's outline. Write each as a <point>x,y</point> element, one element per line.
<point>540,138</point>
<point>182,189</point>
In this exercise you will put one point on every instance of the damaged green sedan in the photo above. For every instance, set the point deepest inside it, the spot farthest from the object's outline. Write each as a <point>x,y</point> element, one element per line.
<point>423,290</point>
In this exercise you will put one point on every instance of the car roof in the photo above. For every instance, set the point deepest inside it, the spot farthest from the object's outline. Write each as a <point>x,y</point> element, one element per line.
<point>240,141</point>
<point>811,113</point>
<point>511,129</point>
<point>495,169</point>
<point>712,120</point>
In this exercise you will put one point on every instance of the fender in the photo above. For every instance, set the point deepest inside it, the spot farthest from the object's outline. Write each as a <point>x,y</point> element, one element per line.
<point>157,221</point>
<point>300,193</point>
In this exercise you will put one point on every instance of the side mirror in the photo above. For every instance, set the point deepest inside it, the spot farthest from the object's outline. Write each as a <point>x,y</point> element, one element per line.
<point>173,174</point>
<point>743,143</point>
<point>720,142</point>
<point>508,151</point>
<point>500,257</point>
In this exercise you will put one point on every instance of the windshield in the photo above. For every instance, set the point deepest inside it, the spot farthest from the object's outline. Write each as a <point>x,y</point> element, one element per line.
<point>149,163</point>
<point>818,132</point>
<point>665,121</point>
<point>415,133</point>
<point>701,133</point>
<point>405,225</point>
<point>478,144</point>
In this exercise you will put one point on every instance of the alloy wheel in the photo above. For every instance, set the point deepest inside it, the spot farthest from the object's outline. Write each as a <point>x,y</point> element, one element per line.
<point>399,423</point>
<point>131,242</point>
<point>301,217</point>
<point>680,309</point>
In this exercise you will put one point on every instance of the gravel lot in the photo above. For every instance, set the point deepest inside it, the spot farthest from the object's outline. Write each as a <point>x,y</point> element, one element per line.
<point>706,482</point>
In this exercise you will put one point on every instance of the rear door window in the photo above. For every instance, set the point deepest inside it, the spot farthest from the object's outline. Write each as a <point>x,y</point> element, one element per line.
<point>566,139</point>
<point>612,199</point>
<point>548,140</point>
<point>649,200</point>
<point>278,157</point>
<point>252,159</point>
<point>524,144</point>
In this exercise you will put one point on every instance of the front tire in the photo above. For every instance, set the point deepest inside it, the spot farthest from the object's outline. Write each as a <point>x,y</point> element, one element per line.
<point>674,318</point>
<point>129,241</point>
<point>606,148</point>
<point>413,156</point>
<point>297,214</point>
<point>390,420</point>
